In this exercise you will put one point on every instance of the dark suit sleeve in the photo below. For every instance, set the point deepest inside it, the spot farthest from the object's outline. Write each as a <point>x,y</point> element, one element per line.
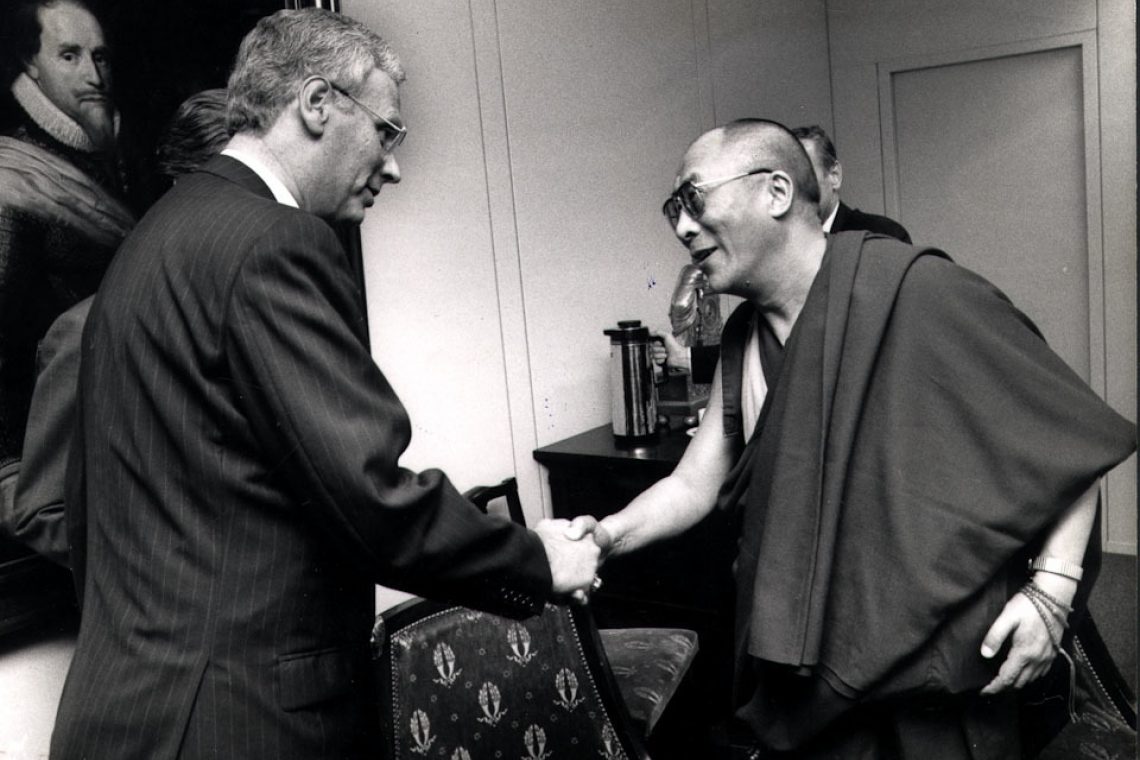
<point>318,404</point>
<point>848,218</point>
<point>37,517</point>
<point>895,230</point>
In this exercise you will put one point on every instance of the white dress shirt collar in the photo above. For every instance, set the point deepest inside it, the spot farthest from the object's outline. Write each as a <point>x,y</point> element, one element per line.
<point>830,219</point>
<point>281,193</point>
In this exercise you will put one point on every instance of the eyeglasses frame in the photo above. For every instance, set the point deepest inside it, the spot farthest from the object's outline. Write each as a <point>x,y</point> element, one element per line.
<point>676,197</point>
<point>389,144</point>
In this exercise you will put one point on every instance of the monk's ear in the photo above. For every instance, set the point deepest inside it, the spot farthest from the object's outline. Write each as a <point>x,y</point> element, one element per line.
<point>778,194</point>
<point>315,104</point>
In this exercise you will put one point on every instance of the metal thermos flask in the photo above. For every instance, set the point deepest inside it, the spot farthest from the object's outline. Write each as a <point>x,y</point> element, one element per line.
<point>633,392</point>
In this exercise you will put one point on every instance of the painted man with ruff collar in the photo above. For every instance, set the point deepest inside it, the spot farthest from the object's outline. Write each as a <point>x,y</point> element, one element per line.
<point>61,218</point>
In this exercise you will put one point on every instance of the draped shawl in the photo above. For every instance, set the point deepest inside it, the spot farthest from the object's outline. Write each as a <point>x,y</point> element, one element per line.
<point>920,438</point>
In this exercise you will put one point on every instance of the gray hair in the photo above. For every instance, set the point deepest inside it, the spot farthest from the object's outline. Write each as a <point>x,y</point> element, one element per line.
<point>288,47</point>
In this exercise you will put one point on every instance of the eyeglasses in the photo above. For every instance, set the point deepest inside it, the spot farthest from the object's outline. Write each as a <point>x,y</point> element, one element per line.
<point>690,196</point>
<point>391,135</point>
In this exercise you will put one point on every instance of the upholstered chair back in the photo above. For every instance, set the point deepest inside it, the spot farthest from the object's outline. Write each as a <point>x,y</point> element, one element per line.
<point>458,684</point>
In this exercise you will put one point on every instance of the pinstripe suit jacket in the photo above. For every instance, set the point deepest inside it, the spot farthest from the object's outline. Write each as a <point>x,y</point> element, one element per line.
<point>236,494</point>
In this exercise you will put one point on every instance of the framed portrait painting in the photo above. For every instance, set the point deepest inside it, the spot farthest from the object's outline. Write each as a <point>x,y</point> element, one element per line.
<point>158,55</point>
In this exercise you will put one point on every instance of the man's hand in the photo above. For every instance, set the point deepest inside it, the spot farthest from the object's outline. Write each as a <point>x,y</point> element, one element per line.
<point>670,351</point>
<point>573,562</point>
<point>1031,651</point>
<point>585,525</point>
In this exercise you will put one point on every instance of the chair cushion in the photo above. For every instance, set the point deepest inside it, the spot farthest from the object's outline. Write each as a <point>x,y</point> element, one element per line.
<point>648,665</point>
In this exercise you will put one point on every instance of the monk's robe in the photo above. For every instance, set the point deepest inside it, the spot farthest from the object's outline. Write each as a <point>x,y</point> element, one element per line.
<point>918,441</point>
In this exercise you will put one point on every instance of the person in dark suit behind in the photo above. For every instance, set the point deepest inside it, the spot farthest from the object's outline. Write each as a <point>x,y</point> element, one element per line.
<point>837,216</point>
<point>235,484</point>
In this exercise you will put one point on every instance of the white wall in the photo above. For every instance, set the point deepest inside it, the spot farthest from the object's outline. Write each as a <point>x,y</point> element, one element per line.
<point>1116,46</point>
<point>430,256</point>
<point>601,99</point>
<point>770,60</point>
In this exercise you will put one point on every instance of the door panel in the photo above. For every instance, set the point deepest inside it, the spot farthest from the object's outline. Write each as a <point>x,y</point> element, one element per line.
<point>990,166</point>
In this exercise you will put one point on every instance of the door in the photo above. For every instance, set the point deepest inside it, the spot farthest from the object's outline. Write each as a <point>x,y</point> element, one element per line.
<point>987,162</point>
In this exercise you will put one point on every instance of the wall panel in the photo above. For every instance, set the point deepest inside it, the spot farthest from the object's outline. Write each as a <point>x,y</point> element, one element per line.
<point>601,100</point>
<point>1116,46</point>
<point>770,60</point>
<point>429,259</point>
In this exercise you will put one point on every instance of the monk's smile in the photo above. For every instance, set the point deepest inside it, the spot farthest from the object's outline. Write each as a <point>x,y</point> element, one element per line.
<point>701,255</point>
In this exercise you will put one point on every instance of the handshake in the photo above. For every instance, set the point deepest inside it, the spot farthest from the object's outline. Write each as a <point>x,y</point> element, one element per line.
<point>575,550</point>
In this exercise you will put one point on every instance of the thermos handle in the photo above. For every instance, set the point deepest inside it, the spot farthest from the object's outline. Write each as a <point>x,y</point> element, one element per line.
<point>660,376</point>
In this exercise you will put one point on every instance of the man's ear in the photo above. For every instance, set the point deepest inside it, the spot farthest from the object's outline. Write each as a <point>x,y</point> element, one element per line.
<point>836,176</point>
<point>33,71</point>
<point>778,194</point>
<point>315,104</point>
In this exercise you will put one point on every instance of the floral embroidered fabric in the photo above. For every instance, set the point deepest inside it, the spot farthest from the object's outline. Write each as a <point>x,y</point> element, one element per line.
<point>467,685</point>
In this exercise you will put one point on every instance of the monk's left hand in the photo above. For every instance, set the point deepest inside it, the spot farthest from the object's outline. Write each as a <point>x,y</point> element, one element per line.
<point>1031,650</point>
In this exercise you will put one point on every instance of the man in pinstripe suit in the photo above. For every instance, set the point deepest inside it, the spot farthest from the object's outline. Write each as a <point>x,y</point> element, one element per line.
<point>235,482</point>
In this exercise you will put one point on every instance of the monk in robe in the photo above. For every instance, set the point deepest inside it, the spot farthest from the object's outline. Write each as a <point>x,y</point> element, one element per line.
<point>915,473</point>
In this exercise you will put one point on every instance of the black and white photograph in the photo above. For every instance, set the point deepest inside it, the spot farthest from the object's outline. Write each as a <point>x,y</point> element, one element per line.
<point>662,379</point>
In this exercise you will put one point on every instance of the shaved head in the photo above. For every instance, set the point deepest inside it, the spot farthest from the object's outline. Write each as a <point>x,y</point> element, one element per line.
<point>752,220</point>
<point>759,142</point>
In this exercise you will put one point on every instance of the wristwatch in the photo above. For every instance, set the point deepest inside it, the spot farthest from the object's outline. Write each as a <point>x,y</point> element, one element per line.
<point>1057,566</point>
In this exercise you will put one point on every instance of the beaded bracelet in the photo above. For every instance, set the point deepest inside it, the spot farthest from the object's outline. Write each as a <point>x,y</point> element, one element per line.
<point>1053,601</point>
<point>1048,618</point>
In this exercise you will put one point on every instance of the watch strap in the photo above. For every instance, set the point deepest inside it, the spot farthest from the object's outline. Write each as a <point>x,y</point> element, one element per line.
<point>1057,566</point>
